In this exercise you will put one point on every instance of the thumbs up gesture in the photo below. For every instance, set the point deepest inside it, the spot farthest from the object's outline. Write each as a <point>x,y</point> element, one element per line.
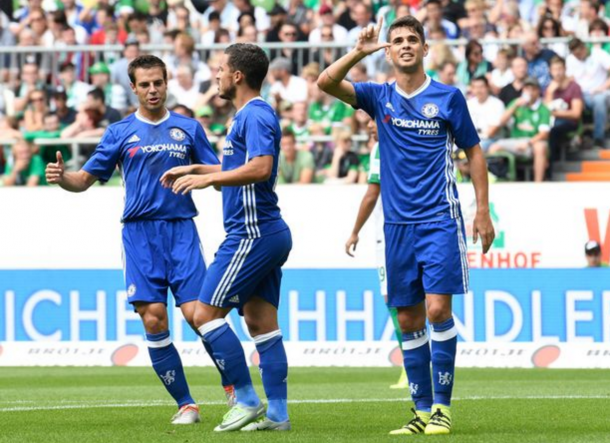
<point>55,171</point>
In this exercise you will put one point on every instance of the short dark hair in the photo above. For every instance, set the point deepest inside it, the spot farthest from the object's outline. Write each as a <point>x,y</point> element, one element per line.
<point>434,2</point>
<point>250,60</point>
<point>599,23</point>
<point>288,132</point>
<point>575,43</point>
<point>145,62</point>
<point>408,21</point>
<point>480,78</point>
<point>98,94</point>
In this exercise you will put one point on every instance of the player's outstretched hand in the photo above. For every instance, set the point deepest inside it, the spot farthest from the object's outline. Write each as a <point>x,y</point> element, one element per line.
<point>482,227</point>
<point>187,183</point>
<point>169,177</point>
<point>55,171</point>
<point>350,245</point>
<point>368,40</point>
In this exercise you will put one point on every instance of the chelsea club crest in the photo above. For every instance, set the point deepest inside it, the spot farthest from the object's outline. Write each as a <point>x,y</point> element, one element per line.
<point>429,110</point>
<point>177,134</point>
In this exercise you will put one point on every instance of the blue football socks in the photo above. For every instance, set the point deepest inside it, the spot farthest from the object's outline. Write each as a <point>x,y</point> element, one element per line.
<point>168,366</point>
<point>223,377</point>
<point>229,356</point>
<point>444,347</point>
<point>274,372</point>
<point>416,355</point>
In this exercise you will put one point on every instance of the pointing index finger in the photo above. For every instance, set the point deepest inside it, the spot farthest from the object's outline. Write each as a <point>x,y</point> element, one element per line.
<point>379,25</point>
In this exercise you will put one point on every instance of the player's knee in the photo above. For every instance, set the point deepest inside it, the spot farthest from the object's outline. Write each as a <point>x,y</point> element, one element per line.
<point>410,322</point>
<point>155,324</point>
<point>438,313</point>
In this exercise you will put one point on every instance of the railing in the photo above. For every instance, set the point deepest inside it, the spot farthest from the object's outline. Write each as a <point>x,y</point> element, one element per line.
<point>9,56</point>
<point>76,142</point>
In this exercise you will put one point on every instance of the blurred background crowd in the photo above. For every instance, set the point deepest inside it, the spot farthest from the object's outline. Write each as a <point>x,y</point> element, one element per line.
<point>535,74</point>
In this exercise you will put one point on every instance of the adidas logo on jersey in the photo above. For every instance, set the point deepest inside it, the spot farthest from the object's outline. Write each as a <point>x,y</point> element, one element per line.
<point>389,106</point>
<point>234,299</point>
<point>134,138</point>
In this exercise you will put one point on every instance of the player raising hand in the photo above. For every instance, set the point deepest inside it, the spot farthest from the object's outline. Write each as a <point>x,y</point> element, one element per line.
<point>418,121</point>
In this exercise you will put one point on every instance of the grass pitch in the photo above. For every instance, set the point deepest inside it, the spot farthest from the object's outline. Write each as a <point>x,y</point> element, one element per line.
<point>327,405</point>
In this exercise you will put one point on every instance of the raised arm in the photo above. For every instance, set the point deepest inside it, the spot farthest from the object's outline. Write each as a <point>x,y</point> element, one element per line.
<point>332,79</point>
<point>78,181</point>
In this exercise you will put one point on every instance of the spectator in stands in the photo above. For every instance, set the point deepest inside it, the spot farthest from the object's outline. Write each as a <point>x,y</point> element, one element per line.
<point>438,54</point>
<point>358,73</point>
<point>513,90</point>
<point>328,111</point>
<point>30,81</point>
<point>7,39</point>
<point>344,12</point>
<point>27,38</point>
<point>79,59</point>
<point>75,89</point>
<point>599,28</point>
<point>261,19</point>
<point>327,17</point>
<point>324,57</point>
<point>227,11</point>
<point>593,254</point>
<point>321,150</point>
<point>589,68</point>
<point>295,165</point>
<point>87,124</point>
<point>51,129</point>
<point>109,34</point>
<point>96,99</point>
<point>300,15</point>
<point>501,75</point>
<point>285,85</point>
<point>59,102</point>
<point>361,14</point>
<point>278,17</point>
<point>564,99</point>
<point>299,119</point>
<point>115,94</point>
<point>434,19</point>
<point>209,36</point>
<point>474,64</point>
<point>184,110</point>
<point>548,27</point>
<point>537,59</point>
<point>476,10</point>
<point>184,53</point>
<point>588,12</point>
<point>486,111</point>
<point>183,22</point>
<point>289,34</point>
<point>446,74</point>
<point>36,109</point>
<point>344,166</point>
<point>184,87</point>
<point>118,71</point>
<point>38,23</point>
<point>529,130</point>
<point>24,168</point>
<point>247,34</point>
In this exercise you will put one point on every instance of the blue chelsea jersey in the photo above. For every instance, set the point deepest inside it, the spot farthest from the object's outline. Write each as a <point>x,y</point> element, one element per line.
<point>417,132</point>
<point>144,150</point>
<point>252,210</point>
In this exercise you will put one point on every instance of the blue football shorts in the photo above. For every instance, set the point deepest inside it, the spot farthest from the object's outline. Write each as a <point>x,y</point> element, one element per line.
<point>247,267</point>
<point>159,255</point>
<point>425,258</point>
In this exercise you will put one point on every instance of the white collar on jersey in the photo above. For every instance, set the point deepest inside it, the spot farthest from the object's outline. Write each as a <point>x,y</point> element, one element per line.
<point>251,100</point>
<point>150,122</point>
<point>418,91</point>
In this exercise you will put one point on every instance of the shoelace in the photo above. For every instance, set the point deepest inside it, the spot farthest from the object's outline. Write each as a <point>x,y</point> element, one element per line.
<point>415,419</point>
<point>438,415</point>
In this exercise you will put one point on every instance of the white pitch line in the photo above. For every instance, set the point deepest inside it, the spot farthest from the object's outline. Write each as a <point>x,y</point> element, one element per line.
<point>155,403</point>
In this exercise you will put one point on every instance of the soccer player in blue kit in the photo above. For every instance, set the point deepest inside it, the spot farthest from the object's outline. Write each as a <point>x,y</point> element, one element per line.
<point>161,247</point>
<point>418,121</point>
<point>246,272</point>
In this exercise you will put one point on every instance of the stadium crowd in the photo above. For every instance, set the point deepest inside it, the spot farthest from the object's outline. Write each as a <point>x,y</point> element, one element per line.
<point>528,100</point>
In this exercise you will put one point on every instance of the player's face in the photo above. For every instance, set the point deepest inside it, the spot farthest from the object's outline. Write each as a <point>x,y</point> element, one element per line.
<point>225,78</point>
<point>150,88</point>
<point>407,51</point>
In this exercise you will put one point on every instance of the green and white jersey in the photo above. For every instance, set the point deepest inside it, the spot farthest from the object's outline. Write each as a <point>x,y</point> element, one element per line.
<point>375,178</point>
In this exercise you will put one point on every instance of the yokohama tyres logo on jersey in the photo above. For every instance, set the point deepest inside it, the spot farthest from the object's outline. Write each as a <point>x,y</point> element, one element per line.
<point>414,124</point>
<point>174,150</point>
